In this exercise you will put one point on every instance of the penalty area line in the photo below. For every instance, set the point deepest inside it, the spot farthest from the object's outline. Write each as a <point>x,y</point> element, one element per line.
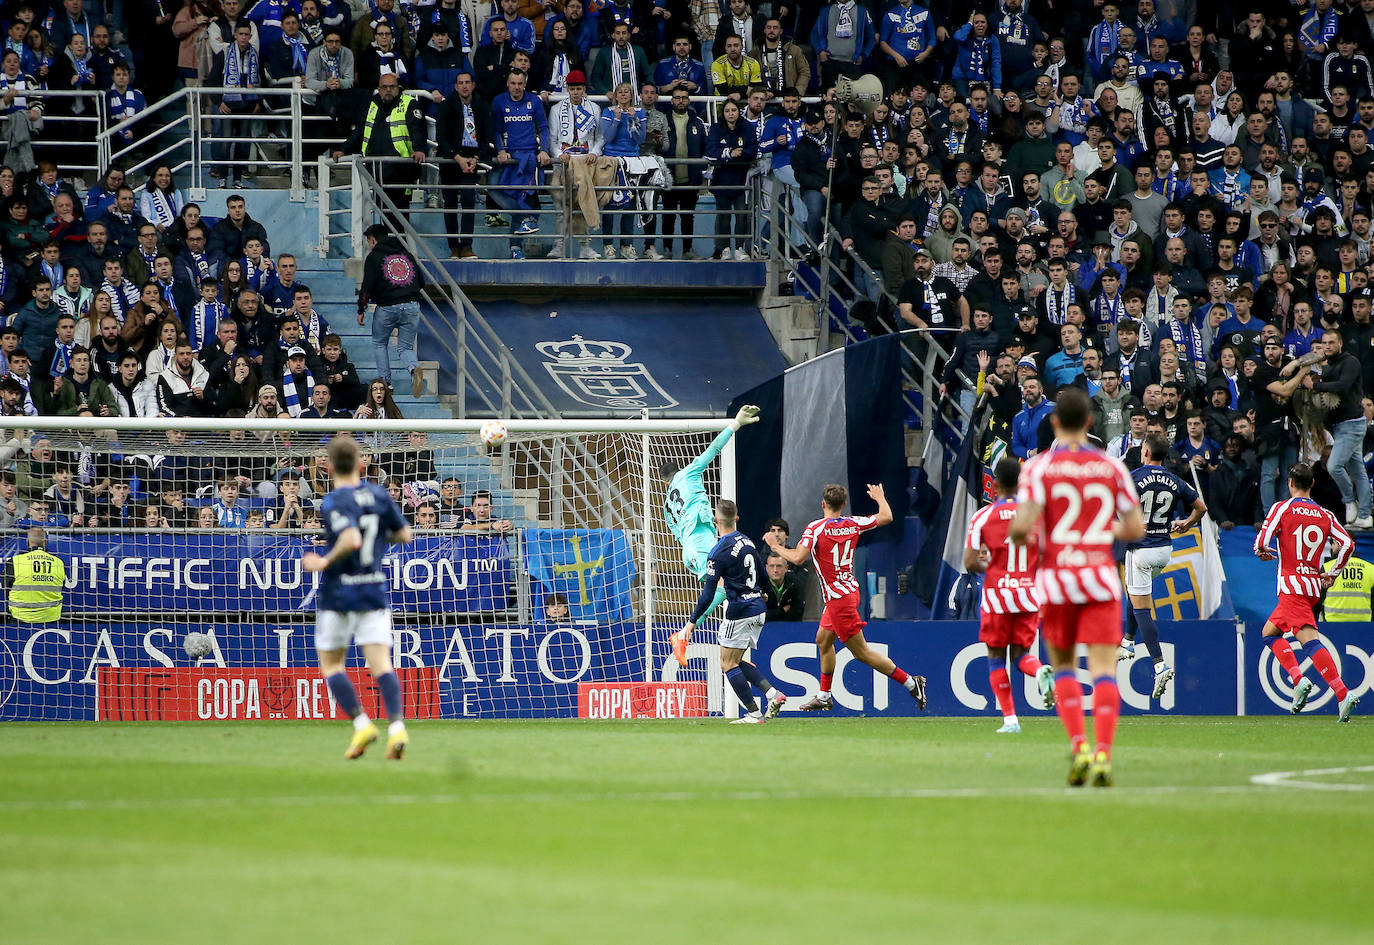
<point>655,797</point>
<point>1298,779</point>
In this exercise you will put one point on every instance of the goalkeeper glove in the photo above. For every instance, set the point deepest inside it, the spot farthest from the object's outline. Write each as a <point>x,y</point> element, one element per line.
<point>747,414</point>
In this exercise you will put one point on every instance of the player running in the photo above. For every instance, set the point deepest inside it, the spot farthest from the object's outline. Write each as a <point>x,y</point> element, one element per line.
<point>687,510</point>
<point>359,520</point>
<point>735,562</point>
<point>1082,499</point>
<point>831,541</point>
<point>1010,612</point>
<point>1303,529</point>
<point>1162,496</point>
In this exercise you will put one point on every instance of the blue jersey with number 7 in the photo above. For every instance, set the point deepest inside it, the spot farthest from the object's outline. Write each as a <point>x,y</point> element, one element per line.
<point>357,582</point>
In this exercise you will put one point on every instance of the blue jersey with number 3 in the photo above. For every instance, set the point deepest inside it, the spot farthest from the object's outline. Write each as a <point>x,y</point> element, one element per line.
<point>736,562</point>
<point>357,582</point>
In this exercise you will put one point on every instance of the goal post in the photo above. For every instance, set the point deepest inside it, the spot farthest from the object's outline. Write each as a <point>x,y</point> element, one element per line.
<point>543,581</point>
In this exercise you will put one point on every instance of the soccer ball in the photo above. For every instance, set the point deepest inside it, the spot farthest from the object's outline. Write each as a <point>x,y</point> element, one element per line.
<point>493,433</point>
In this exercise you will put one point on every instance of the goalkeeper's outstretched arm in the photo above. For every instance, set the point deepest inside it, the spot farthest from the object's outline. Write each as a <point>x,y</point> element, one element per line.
<point>747,414</point>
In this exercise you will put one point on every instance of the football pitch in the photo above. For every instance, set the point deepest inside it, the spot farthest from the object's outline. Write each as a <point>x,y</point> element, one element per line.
<point>803,830</point>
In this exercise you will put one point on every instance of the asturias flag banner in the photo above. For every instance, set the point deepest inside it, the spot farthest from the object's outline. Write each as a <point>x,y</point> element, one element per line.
<point>593,568</point>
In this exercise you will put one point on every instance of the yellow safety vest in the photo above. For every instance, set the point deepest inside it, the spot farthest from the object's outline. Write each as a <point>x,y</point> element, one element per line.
<point>395,122</point>
<point>1348,599</point>
<point>39,582</point>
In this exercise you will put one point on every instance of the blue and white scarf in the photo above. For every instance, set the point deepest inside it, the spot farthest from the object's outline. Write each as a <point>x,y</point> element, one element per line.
<point>61,360</point>
<point>240,74</point>
<point>298,52</point>
<point>204,322</point>
<point>163,208</point>
<point>844,26</point>
<point>978,59</point>
<point>252,273</point>
<point>123,297</point>
<point>202,266</point>
<point>291,396</point>
<point>169,297</point>
<point>313,328</point>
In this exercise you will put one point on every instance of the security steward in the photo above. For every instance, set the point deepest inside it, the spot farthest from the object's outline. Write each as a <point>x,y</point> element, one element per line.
<point>36,582</point>
<point>392,126</point>
<point>1349,599</point>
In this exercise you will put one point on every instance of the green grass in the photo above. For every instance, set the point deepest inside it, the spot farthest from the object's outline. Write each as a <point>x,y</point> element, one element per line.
<point>825,830</point>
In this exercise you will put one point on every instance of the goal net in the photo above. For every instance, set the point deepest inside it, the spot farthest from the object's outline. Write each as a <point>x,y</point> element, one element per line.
<point>542,582</point>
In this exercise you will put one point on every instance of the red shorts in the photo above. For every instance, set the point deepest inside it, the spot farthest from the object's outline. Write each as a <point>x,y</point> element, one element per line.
<point>1293,613</point>
<point>841,617</point>
<point>1003,630</point>
<point>1098,622</point>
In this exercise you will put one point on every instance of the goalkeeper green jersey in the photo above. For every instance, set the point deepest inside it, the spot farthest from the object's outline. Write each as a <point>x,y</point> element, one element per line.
<point>688,510</point>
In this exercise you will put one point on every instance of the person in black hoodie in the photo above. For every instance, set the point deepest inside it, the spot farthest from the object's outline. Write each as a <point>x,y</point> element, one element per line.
<point>346,388</point>
<point>393,282</point>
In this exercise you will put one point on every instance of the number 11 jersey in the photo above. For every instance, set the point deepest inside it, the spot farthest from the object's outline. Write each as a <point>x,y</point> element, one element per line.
<point>832,542</point>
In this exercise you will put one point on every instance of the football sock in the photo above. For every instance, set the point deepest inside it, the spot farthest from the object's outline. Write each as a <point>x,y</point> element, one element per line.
<point>390,685</point>
<point>741,687</point>
<point>1001,685</point>
<point>1106,709</point>
<point>1068,702</point>
<point>396,727</point>
<point>1129,635</point>
<point>756,678</point>
<point>1283,652</point>
<point>1321,658</point>
<point>899,676</point>
<point>826,680</point>
<point>1149,633</point>
<point>345,695</point>
<point>1029,664</point>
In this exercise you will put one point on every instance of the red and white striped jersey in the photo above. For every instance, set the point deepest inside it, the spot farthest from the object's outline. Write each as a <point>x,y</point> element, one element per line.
<point>1009,583</point>
<point>1303,529</point>
<point>1081,490</point>
<point>832,542</point>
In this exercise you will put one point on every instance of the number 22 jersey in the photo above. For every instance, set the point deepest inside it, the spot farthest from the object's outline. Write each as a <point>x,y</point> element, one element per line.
<point>1080,490</point>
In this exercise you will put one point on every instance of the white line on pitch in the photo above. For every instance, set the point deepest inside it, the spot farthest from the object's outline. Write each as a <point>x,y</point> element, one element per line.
<point>1297,779</point>
<point>197,803</point>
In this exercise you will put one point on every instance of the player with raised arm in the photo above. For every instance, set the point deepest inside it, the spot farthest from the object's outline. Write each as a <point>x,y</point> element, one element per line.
<point>1009,615</point>
<point>831,541</point>
<point>735,563</point>
<point>360,519</point>
<point>1163,497</point>
<point>1302,529</point>
<point>1081,500</point>
<point>687,511</point>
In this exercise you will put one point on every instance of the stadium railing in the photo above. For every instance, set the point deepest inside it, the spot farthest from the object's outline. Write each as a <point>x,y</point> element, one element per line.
<point>69,141</point>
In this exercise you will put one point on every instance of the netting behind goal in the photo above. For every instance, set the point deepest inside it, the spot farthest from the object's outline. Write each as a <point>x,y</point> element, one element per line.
<point>533,587</point>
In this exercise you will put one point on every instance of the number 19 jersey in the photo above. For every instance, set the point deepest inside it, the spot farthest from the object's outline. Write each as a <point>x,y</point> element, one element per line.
<point>356,582</point>
<point>1009,582</point>
<point>1081,490</point>
<point>1302,528</point>
<point>832,542</point>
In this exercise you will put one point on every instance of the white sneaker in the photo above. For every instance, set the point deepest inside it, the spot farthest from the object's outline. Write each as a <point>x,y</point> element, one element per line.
<point>556,252</point>
<point>1126,651</point>
<point>750,719</point>
<point>629,252</point>
<point>588,252</point>
<point>1163,676</point>
<point>1363,522</point>
<point>1352,509</point>
<point>652,253</point>
<point>741,255</point>
<point>608,251</point>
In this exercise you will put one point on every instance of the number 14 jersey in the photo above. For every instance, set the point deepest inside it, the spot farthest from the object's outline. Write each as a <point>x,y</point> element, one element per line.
<point>1080,490</point>
<point>832,542</point>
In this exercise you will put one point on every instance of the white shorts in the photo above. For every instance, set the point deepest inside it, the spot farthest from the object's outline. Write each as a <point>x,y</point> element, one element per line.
<point>1143,565</point>
<point>741,634</point>
<point>334,629</point>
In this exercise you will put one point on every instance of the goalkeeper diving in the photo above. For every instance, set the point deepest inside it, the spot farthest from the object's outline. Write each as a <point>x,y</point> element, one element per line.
<point>690,514</point>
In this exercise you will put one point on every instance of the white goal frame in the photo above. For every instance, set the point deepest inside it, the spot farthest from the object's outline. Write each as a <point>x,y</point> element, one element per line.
<point>645,427</point>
